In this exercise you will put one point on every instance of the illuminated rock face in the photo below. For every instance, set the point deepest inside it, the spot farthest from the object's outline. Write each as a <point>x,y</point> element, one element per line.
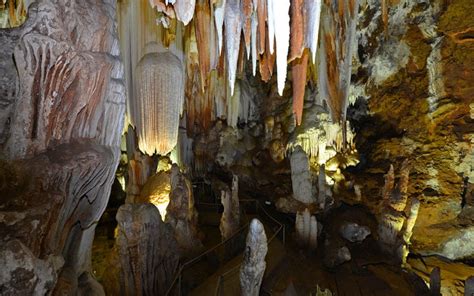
<point>158,103</point>
<point>60,133</point>
<point>301,177</point>
<point>181,214</point>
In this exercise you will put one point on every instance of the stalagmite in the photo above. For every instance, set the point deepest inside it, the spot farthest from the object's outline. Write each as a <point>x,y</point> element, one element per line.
<point>394,228</point>
<point>299,69</point>
<point>469,286</point>
<point>253,265</point>
<point>156,108</point>
<point>435,282</point>
<point>306,227</point>
<point>412,216</point>
<point>301,176</point>
<point>219,12</point>
<point>322,187</point>
<point>146,251</point>
<point>184,10</point>
<point>230,220</point>
<point>313,235</point>
<point>181,214</point>
<point>233,29</point>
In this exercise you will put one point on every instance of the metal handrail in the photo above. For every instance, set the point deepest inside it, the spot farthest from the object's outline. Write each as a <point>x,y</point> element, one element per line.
<point>178,277</point>
<point>197,258</point>
<point>231,270</point>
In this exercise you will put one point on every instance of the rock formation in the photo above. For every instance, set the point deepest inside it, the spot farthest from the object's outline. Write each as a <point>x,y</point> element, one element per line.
<point>395,229</point>
<point>181,214</point>
<point>354,232</point>
<point>306,229</point>
<point>301,177</point>
<point>63,102</point>
<point>230,220</point>
<point>147,251</point>
<point>253,265</point>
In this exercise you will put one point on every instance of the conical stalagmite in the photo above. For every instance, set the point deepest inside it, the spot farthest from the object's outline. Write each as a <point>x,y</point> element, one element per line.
<point>253,265</point>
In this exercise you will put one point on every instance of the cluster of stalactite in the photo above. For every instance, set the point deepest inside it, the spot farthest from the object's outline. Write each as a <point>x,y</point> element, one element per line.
<point>215,38</point>
<point>13,12</point>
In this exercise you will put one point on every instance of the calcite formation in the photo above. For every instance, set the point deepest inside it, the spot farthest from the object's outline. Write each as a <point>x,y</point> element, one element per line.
<point>306,227</point>
<point>253,265</point>
<point>301,177</point>
<point>395,229</point>
<point>230,220</point>
<point>158,103</point>
<point>60,126</point>
<point>147,251</point>
<point>181,214</point>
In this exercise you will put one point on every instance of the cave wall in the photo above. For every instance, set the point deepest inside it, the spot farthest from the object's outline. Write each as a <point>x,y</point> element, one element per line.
<point>413,86</point>
<point>61,115</point>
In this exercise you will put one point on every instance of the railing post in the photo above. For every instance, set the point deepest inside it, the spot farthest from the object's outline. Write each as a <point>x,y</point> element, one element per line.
<point>284,236</point>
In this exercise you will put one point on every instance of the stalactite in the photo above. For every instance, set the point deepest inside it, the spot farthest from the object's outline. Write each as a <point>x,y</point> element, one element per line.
<point>322,187</point>
<point>299,69</point>
<point>233,29</point>
<point>282,38</point>
<point>297,29</point>
<point>203,27</point>
<point>337,43</point>
<point>184,10</point>
<point>313,12</point>
<point>158,103</point>
<point>247,11</point>
<point>385,16</point>
<point>262,18</point>
<point>254,36</point>
<point>219,12</point>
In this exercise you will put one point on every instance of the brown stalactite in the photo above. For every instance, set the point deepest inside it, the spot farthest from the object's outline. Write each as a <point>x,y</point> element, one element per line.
<point>299,70</point>
<point>297,31</point>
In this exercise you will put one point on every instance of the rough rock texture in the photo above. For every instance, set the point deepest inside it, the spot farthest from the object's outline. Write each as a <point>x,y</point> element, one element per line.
<point>61,113</point>
<point>253,266</point>
<point>354,232</point>
<point>230,220</point>
<point>301,177</point>
<point>414,83</point>
<point>181,214</point>
<point>147,252</point>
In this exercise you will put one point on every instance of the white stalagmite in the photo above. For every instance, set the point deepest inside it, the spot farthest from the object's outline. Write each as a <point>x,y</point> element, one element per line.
<point>219,12</point>
<point>254,265</point>
<point>156,108</point>
<point>307,226</point>
<point>233,30</point>
<point>281,19</point>
<point>301,176</point>
<point>313,235</point>
<point>313,8</point>
<point>322,187</point>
